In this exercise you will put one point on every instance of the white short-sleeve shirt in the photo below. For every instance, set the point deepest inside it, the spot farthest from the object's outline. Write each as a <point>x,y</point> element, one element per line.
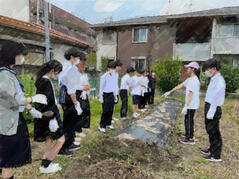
<point>193,84</point>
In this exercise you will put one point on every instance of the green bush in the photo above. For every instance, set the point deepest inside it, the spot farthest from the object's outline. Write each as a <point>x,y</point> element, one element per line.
<point>167,70</point>
<point>28,81</point>
<point>231,76</point>
<point>204,81</point>
<point>91,60</point>
<point>104,62</point>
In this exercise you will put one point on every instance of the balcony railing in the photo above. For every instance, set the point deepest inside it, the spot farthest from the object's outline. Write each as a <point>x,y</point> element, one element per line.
<point>192,51</point>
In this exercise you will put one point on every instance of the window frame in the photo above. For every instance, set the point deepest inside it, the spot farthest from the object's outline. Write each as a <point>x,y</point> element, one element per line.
<point>140,27</point>
<point>139,58</point>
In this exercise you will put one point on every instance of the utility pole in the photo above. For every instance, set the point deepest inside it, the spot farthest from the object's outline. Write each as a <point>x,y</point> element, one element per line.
<point>38,11</point>
<point>47,37</point>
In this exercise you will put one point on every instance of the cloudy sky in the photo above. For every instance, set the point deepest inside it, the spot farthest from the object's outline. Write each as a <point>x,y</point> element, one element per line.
<point>97,11</point>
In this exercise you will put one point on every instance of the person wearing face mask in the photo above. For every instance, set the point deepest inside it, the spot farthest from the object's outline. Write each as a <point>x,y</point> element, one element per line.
<point>136,91</point>
<point>124,89</point>
<point>15,149</point>
<point>72,107</point>
<point>77,88</point>
<point>192,101</point>
<point>116,69</point>
<point>144,93</point>
<point>82,95</point>
<point>152,86</point>
<point>72,57</point>
<point>107,97</point>
<point>215,97</point>
<point>49,127</point>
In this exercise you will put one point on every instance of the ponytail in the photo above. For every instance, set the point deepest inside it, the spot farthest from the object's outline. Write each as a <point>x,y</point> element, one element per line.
<point>47,67</point>
<point>197,72</point>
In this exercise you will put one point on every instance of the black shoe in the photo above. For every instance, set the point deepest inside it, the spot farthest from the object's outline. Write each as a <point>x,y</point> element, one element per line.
<point>65,152</point>
<point>74,147</point>
<point>206,152</point>
<point>212,159</point>
<point>187,141</point>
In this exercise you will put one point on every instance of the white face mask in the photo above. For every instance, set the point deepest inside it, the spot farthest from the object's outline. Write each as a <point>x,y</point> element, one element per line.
<point>77,62</point>
<point>153,73</point>
<point>20,62</point>
<point>111,71</point>
<point>208,74</point>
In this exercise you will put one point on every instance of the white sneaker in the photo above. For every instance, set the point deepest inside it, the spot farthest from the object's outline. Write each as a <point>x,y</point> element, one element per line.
<point>141,110</point>
<point>115,119</point>
<point>111,127</point>
<point>135,115</point>
<point>77,139</point>
<point>77,143</point>
<point>52,168</point>
<point>101,129</point>
<point>123,118</point>
<point>112,121</point>
<point>78,134</point>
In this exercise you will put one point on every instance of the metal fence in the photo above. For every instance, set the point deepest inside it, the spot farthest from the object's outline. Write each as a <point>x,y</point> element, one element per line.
<point>28,82</point>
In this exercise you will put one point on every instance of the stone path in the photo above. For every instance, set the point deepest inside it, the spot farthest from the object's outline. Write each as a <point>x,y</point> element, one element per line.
<point>156,127</point>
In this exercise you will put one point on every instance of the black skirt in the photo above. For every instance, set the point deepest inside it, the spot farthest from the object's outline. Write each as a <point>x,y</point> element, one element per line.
<point>42,131</point>
<point>15,150</point>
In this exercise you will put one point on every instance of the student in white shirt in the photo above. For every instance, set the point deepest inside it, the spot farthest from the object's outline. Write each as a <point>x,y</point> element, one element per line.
<point>192,100</point>
<point>71,106</point>
<point>82,96</point>
<point>144,89</point>
<point>215,97</point>
<point>124,89</point>
<point>107,98</point>
<point>136,91</point>
<point>117,68</point>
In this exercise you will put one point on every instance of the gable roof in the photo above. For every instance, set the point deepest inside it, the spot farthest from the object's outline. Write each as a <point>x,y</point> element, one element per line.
<point>164,18</point>
<point>210,12</point>
<point>134,21</point>
<point>39,29</point>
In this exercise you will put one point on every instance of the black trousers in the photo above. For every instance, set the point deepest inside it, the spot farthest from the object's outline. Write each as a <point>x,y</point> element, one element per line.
<point>124,106</point>
<point>189,123</point>
<point>84,118</point>
<point>107,109</point>
<point>151,96</point>
<point>142,102</point>
<point>70,120</point>
<point>213,130</point>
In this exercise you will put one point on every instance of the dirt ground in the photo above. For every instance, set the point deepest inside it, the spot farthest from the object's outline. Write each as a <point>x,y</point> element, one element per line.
<point>102,156</point>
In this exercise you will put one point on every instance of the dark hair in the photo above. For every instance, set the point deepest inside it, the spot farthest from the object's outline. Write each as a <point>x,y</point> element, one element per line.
<point>197,72</point>
<point>117,63</point>
<point>130,70</point>
<point>47,67</point>
<point>75,52</point>
<point>111,64</point>
<point>211,63</point>
<point>9,52</point>
<point>140,71</point>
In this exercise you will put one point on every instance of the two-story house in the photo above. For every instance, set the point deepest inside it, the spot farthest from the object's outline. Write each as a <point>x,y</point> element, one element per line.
<point>194,36</point>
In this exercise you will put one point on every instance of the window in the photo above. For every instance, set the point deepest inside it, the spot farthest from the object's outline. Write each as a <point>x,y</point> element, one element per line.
<point>109,37</point>
<point>140,34</point>
<point>228,30</point>
<point>236,30</point>
<point>138,62</point>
